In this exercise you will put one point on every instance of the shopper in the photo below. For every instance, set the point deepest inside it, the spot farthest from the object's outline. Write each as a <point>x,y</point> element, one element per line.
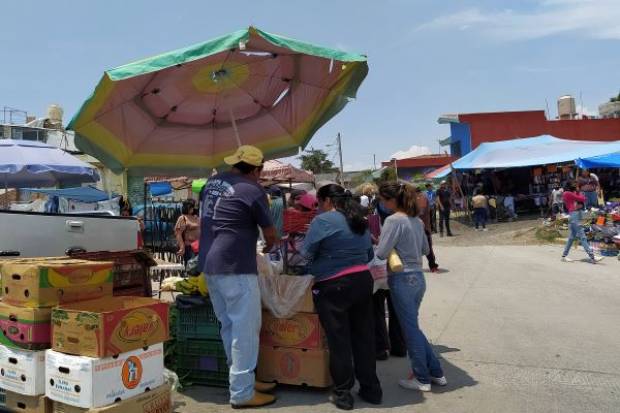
<point>557,203</point>
<point>444,202</point>
<point>234,206</point>
<point>425,216</point>
<point>432,202</point>
<point>574,204</point>
<point>338,246</point>
<point>588,184</point>
<point>389,340</point>
<point>276,207</point>
<point>403,233</point>
<point>187,230</point>
<point>480,204</point>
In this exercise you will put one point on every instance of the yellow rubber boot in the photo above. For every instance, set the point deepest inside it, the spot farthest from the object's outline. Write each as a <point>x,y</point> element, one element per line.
<point>259,400</point>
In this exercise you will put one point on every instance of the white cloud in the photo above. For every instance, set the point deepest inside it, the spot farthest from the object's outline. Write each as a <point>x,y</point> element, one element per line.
<point>415,150</point>
<point>597,19</point>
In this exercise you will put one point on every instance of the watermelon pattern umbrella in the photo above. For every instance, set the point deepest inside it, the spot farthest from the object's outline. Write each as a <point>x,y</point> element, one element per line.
<point>182,112</point>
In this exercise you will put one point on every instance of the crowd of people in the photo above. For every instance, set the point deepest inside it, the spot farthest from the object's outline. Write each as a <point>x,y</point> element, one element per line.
<point>346,235</point>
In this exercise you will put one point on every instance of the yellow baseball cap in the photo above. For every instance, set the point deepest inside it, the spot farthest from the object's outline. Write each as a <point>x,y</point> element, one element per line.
<point>246,153</point>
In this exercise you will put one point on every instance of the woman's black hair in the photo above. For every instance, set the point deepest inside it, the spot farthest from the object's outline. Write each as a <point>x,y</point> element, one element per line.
<point>404,194</point>
<point>187,205</point>
<point>344,203</point>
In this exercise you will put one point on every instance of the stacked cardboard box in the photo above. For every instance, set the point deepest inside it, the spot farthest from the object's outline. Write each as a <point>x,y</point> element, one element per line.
<point>294,351</point>
<point>31,288</point>
<point>106,352</point>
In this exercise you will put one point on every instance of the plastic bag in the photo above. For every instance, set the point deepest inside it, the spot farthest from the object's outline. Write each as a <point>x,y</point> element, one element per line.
<point>378,268</point>
<point>282,294</point>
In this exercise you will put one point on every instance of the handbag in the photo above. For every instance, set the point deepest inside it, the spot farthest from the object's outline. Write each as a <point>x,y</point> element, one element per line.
<point>395,264</point>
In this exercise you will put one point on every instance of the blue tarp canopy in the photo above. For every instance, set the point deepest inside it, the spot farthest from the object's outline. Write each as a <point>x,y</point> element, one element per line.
<point>82,194</point>
<point>611,160</point>
<point>541,150</point>
<point>160,188</point>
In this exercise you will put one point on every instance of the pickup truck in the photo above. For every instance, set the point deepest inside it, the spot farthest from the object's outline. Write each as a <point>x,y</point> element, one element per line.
<point>36,234</point>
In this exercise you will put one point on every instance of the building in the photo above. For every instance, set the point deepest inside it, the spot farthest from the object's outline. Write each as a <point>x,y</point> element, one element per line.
<point>469,130</point>
<point>610,109</point>
<point>409,168</point>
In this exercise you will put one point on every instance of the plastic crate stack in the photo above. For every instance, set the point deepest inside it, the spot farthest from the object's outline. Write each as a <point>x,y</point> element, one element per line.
<point>131,270</point>
<point>69,346</point>
<point>200,358</point>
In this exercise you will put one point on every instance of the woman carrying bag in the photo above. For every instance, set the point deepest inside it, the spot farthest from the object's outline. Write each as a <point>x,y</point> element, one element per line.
<point>404,242</point>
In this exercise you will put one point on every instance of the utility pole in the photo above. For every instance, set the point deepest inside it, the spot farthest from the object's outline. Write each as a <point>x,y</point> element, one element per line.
<point>340,156</point>
<point>374,162</point>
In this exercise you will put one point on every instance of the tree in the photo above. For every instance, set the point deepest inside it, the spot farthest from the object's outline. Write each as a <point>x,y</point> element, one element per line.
<point>315,160</point>
<point>387,175</point>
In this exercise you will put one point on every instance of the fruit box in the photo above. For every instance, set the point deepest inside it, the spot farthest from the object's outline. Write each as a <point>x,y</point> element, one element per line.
<point>154,401</point>
<point>294,366</point>
<point>16,402</point>
<point>109,325</point>
<point>22,371</point>
<point>45,282</point>
<point>303,330</point>
<point>25,328</point>
<point>96,382</point>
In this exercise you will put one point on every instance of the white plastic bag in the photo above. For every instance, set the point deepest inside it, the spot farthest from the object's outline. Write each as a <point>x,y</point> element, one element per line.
<point>281,294</point>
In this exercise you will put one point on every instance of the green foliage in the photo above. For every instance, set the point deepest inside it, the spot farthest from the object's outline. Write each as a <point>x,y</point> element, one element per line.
<point>315,160</point>
<point>388,175</point>
<point>361,178</point>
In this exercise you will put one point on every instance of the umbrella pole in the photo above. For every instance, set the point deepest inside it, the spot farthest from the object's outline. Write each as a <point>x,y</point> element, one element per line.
<point>6,193</point>
<point>234,124</point>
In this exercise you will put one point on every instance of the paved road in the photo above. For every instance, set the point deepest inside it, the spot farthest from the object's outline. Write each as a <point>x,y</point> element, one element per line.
<point>518,331</point>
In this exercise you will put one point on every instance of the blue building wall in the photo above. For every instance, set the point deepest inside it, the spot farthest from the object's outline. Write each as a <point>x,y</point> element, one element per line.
<point>461,139</point>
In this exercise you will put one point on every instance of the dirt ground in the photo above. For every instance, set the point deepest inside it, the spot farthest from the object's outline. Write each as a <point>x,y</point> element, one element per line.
<point>519,232</point>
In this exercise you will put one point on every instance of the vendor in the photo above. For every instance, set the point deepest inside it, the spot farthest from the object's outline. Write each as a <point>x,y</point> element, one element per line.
<point>338,246</point>
<point>588,184</point>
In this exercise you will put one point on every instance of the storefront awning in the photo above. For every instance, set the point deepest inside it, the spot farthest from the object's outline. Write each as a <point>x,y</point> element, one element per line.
<point>541,150</point>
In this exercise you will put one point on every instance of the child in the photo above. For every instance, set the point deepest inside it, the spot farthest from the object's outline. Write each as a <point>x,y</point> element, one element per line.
<point>575,204</point>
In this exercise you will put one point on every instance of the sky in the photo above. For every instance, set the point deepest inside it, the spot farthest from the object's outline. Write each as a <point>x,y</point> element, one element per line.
<point>426,57</point>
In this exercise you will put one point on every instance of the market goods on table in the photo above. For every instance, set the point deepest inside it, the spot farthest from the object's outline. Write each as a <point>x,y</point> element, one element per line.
<point>46,282</point>
<point>96,382</point>
<point>22,371</point>
<point>109,325</point>
<point>25,328</point>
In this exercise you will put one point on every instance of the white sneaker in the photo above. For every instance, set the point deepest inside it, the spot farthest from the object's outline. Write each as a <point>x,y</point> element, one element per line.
<point>485,229</point>
<point>414,384</point>
<point>596,259</point>
<point>566,259</point>
<point>440,381</point>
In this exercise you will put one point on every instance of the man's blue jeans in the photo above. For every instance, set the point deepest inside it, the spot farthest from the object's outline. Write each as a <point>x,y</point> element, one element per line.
<point>236,301</point>
<point>407,290</point>
<point>576,232</point>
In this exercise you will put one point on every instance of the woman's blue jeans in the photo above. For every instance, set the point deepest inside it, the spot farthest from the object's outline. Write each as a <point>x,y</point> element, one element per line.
<point>407,290</point>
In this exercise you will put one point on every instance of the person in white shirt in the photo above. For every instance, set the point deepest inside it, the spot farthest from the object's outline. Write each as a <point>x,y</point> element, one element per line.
<point>557,204</point>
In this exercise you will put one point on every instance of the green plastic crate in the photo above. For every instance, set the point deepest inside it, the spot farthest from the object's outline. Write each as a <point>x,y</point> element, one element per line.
<point>198,323</point>
<point>201,362</point>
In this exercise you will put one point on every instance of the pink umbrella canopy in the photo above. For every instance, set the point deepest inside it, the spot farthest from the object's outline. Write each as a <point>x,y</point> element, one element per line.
<point>182,112</point>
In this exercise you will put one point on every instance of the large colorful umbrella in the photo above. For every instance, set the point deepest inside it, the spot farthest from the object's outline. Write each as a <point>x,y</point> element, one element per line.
<point>182,112</point>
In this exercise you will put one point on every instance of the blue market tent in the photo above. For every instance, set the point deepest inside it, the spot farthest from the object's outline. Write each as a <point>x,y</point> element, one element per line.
<point>541,150</point>
<point>82,194</point>
<point>611,160</point>
<point>160,188</point>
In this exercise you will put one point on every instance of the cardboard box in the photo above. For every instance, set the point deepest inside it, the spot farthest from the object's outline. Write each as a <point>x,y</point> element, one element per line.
<point>109,325</point>
<point>306,305</point>
<point>91,382</point>
<point>25,328</point>
<point>22,371</point>
<point>303,330</point>
<point>294,366</point>
<point>16,402</point>
<point>43,282</point>
<point>154,401</point>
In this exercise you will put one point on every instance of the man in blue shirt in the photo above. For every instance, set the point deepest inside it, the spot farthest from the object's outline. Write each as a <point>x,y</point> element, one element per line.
<point>430,194</point>
<point>234,206</point>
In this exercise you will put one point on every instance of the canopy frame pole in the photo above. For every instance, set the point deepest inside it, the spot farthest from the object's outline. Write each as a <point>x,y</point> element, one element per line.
<point>234,125</point>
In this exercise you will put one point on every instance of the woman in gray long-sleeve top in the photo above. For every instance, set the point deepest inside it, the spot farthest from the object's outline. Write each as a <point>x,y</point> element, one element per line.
<point>404,232</point>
